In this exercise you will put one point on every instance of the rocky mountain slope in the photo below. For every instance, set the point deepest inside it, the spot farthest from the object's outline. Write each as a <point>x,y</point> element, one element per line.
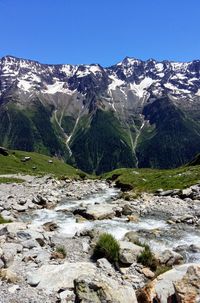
<point>133,114</point>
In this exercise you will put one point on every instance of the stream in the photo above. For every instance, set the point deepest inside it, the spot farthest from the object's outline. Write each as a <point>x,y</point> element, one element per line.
<point>153,230</point>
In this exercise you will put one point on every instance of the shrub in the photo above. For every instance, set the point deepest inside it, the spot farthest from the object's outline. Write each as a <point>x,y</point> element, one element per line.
<point>61,250</point>
<point>107,247</point>
<point>147,258</point>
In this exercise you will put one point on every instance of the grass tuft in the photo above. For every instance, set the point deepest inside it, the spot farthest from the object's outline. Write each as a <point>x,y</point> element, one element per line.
<point>147,258</point>
<point>107,247</point>
<point>61,250</point>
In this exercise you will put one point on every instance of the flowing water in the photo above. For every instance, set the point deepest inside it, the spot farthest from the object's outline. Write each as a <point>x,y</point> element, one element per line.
<point>152,230</point>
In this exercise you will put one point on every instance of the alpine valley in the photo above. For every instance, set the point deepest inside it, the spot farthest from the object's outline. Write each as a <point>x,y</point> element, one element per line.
<point>132,114</point>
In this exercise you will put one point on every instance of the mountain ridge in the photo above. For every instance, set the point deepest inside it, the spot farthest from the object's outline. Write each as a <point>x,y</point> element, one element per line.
<point>62,110</point>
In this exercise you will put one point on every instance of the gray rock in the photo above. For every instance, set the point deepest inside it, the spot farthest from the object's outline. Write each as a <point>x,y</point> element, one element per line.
<point>23,235</point>
<point>9,252</point>
<point>99,212</point>
<point>29,244</point>
<point>32,280</point>
<point>67,296</point>
<point>186,193</point>
<point>166,193</point>
<point>127,210</point>
<point>15,227</point>
<point>55,277</point>
<point>129,252</point>
<point>131,236</point>
<point>103,289</point>
<point>104,264</point>
<point>39,200</point>
<point>20,208</point>
<point>50,226</point>
<point>169,257</point>
<point>13,289</point>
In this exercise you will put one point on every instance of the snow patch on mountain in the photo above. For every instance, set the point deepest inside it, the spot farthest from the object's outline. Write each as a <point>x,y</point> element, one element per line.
<point>159,67</point>
<point>57,87</point>
<point>116,82</point>
<point>24,85</point>
<point>198,93</point>
<point>68,70</point>
<point>141,88</point>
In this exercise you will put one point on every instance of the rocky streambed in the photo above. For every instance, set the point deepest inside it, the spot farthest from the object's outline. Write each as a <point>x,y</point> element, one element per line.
<point>50,216</point>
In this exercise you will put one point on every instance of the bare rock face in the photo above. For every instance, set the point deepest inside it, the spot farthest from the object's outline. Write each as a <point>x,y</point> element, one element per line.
<point>188,288</point>
<point>103,289</point>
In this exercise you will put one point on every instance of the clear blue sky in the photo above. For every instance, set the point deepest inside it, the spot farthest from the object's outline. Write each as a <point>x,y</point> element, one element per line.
<point>100,31</point>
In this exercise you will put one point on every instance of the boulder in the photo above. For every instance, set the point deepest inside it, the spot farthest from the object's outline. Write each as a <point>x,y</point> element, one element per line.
<point>20,208</point>
<point>127,209</point>
<point>147,272</point>
<point>169,258</point>
<point>161,289</point>
<point>55,277</point>
<point>133,218</point>
<point>103,289</point>
<point>80,211</point>
<point>129,252</point>
<point>50,226</point>
<point>67,296</point>
<point>13,289</point>
<point>29,244</point>
<point>39,200</point>
<point>169,192</point>
<point>188,288</point>
<point>23,235</point>
<point>99,212</point>
<point>105,265</point>
<point>131,236</point>
<point>9,252</point>
<point>14,227</point>
<point>186,193</point>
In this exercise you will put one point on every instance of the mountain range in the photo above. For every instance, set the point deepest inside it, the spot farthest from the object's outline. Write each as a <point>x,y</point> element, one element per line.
<point>133,114</point>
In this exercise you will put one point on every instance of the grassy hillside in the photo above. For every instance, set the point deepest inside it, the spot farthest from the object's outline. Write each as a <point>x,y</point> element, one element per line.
<point>30,129</point>
<point>150,180</point>
<point>171,139</point>
<point>38,165</point>
<point>101,144</point>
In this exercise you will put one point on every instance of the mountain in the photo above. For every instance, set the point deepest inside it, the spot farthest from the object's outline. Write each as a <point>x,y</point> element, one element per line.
<point>133,114</point>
